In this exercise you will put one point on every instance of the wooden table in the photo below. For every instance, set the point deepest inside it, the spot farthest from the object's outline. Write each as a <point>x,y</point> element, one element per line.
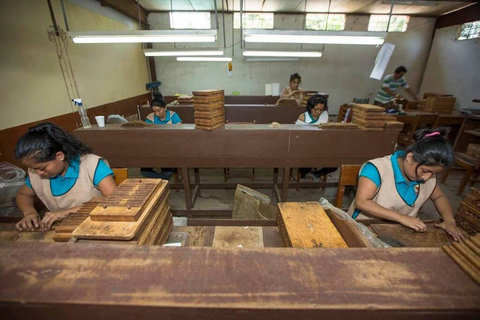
<point>91,281</point>
<point>235,146</point>
<point>260,113</point>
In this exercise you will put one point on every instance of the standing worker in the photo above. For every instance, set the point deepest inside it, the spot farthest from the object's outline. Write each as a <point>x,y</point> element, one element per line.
<point>388,91</point>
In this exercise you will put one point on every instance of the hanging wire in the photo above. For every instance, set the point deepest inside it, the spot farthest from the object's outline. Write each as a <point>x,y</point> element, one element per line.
<point>390,15</point>
<point>304,20</point>
<point>223,22</point>
<point>328,13</point>
<point>241,24</point>
<point>216,12</point>
<point>64,15</point>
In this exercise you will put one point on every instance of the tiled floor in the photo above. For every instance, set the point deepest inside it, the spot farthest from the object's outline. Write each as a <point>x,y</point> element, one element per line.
<point>222,199</point>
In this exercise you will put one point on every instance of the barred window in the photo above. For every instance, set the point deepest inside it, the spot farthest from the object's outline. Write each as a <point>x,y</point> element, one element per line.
<point>469,30</point>
<point>253,20</point>
<point>380,22</point>
<point>318,21</point>
<point>190,20</point>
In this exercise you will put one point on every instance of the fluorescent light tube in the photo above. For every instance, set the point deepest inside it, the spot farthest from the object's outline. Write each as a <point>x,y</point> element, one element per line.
<point>157,53</point>
<point>297,54</point>
<point>319,37</point>
<point>144,36</point>
<point>272,59</point>
<point>206,59</point>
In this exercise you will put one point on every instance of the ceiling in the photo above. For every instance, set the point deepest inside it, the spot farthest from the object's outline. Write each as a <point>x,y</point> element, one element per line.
<point>410,7</point>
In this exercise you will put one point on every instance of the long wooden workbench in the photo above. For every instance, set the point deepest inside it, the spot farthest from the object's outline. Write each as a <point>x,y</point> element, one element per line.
<point>235,146</point>
<point>90,281</point>
<point>254,113</point>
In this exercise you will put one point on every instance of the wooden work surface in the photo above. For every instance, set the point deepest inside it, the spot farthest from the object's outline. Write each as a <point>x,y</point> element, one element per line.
<point>86,281</point>
<point>260,113</point>
<point>235,146</point>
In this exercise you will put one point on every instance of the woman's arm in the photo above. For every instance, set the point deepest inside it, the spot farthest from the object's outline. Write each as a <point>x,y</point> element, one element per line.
<point>445,210</point>
<point>31,218</point>
<point>106,187</point>
<point>364,201</point>
<point>299,100</point>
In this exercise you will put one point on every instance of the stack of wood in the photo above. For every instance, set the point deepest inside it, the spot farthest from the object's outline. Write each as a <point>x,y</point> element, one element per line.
<point>65,228</point>
<point>306,96</point>
<point>393,125</point>
<point>287,102</point>
<point>468,215</point>
<point>467,255</point>
<point>209,106</point>
<point>369,117</point>
<point>338,125</point>
<point>473,150</point>
<point>182,100</point>
<point>440,104</point>
<point>306,225</point>
<point>390,117</point>
<point>137,212</point>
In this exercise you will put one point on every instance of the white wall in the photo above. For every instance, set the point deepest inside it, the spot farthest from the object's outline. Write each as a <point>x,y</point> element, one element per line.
<point>32,87</point>
<point>343,71</point>
<point>454,68</point>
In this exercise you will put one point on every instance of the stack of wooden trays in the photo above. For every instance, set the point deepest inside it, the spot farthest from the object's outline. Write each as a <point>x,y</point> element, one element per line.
<point>287,102</point>
<point>137,212</point>
<point>390,117</point>
<point>440,104</point>
<point>369,117</point>
<point>473,150</point>
<point>393,126</point>
<point>307,96</point>
<point>209,107</point>
<point>307,225</point>
<point>182,100</point>
<point>64,229</point>
<point>468,214</point>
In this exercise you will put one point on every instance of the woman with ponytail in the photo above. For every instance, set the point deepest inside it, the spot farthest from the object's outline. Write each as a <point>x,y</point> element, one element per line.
<point>62,172</point>
<point>395,187</point>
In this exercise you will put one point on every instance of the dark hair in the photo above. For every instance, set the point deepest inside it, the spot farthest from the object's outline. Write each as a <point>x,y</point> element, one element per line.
<point>157,95</point>
<point>43,141</point>
<point>400,70</point>
<point>158,102</point>
<point>295,76</point>
<point>431,150</point>
<point>316,99</point>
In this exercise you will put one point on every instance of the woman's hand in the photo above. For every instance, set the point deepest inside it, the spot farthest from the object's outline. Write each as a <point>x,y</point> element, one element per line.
<point>50,218</point>
<point>413,223</point>
<point>452,229</point>
<point>30,222</point>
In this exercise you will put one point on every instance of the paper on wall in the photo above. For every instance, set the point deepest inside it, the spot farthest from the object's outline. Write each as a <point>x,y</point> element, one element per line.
<point>381,63</point>
<point>268,89</point>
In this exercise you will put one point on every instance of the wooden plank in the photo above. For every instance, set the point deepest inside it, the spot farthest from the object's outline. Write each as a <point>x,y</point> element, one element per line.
<point>120,230</point>
<point>53,280</point>
<point>234,237</point>
<point>433,237</point>
<point>306,225</point>
<point>349,231</point>
<point>198,236</point>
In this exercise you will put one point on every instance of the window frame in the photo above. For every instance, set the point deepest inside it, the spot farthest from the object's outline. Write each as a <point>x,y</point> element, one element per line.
<point>461,29</point>
<point>172,21</point>
<point>389,26</point>
<point>327,15</point>
<point>247,13</point>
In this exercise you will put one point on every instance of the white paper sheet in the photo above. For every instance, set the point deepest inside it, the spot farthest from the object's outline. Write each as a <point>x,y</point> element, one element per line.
<point>382,60</point>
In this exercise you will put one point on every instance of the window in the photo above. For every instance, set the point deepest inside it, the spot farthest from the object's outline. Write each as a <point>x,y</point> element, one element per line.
<point>253,20</point>
<point>190,20</point>
<point>318,21</point>
<point>380,22</point>
<point>470,30</point>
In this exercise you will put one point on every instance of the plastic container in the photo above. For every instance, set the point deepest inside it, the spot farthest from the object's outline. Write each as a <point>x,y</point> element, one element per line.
<point>83,113</point>
<point>12,178</point>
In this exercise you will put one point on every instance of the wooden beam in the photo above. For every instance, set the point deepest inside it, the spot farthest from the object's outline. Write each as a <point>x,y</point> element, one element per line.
<point>128,8</point>
<point>468,14</point>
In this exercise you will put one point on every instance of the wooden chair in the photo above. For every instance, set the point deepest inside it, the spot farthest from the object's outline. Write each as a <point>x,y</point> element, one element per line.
<point>472,167</point>
<point>360,100</point>
<point>412,124</point>
<point>348,177</point>
<point>120,174</point>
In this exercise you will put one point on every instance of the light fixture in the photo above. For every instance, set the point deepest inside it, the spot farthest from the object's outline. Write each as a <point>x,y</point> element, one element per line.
<point>271,59</point>
<point>297,54</point>
<point>144,36</point>
<point>205,59</point>
<point>320,37</point>
<point>180,53</point>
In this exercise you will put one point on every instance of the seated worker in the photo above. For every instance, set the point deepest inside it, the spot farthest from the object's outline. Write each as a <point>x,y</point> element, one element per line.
<point>388,91</point>
<point>62,172</point>
<point>160,115</point>
<point>293,90</point>
<point>316,113</point>
<point>395,187</point>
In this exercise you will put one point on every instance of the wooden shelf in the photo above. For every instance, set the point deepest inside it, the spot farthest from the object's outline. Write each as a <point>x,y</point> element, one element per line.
<point>473,132</point>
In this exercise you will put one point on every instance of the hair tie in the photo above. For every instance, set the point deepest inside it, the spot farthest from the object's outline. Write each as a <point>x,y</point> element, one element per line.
<point>433,134</point>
